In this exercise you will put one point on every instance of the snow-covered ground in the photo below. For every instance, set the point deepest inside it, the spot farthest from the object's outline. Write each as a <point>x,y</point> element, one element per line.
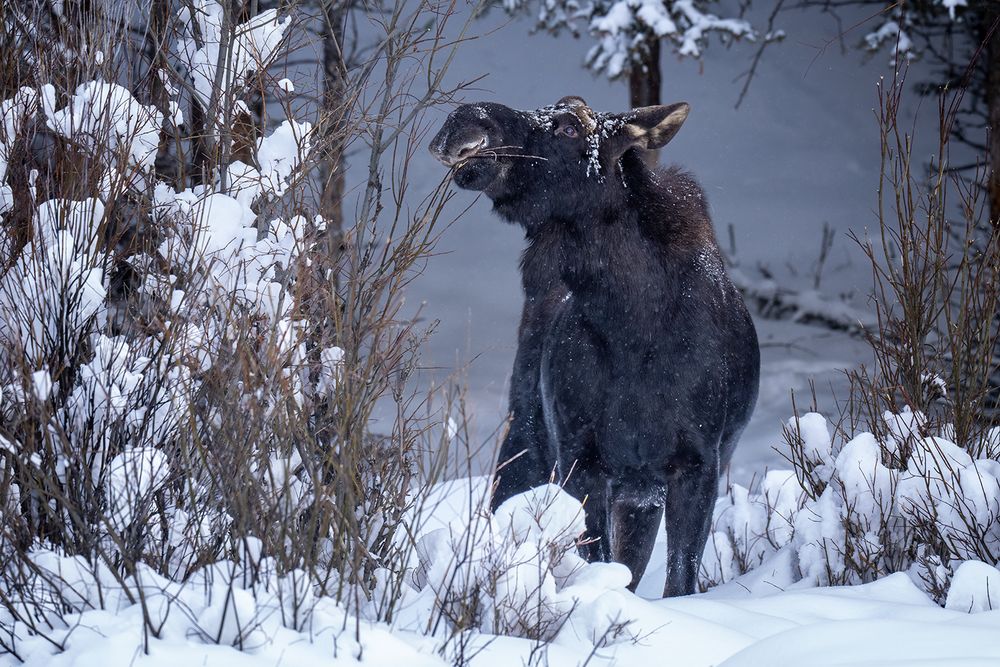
<point>761,619</point>
<point>887,623</point>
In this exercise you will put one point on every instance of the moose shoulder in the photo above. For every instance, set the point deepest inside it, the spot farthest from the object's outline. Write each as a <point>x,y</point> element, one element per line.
<point>637,362</point>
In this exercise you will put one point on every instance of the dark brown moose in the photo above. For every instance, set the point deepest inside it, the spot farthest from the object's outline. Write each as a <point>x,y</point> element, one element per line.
<point>637,363</point>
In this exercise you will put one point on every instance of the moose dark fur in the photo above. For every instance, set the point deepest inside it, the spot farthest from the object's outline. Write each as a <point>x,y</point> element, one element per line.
<point>637,363</point>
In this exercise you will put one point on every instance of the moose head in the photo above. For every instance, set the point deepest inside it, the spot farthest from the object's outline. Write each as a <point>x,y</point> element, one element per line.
<point>553,161</point>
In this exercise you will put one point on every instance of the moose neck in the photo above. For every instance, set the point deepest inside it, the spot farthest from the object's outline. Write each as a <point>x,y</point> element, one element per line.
<point>598,251</point>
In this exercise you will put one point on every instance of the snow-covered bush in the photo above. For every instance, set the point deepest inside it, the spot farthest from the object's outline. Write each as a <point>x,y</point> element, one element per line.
<point>514,573</point>
<point>853,510</point>
<point>907,479</point>
<point>503,576</point>
<point>188,376</point>
<point>96,402</point>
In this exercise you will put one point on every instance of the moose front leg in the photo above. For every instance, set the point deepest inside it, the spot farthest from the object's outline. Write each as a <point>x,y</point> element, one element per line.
<point>691,492</point>
<point>591,488</point>
<point>634,528</point>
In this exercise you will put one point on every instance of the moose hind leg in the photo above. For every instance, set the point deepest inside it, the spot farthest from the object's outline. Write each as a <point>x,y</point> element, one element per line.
<point>634,529</point>
<point>691,492</point>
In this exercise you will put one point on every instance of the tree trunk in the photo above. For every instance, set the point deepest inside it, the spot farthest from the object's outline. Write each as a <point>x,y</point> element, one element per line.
<point>644,84</point>
<point>990,33</point>
<point>319,281</point>
<point>334,112</point>
<point>644,77</point>
<point>156,39</point>
<point>992,54</point>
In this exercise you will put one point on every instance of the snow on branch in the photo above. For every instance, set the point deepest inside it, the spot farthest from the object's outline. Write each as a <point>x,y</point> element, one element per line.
<point>104,116</point>
<point>207,46</point>
<point>624,28</point>
<point>891,33</point>
<point>952,5</point>
<point>809,306</point>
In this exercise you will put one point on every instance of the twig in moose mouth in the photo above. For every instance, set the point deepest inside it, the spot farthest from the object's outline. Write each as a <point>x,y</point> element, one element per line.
<point>493,152</point>
<point>495,155</point>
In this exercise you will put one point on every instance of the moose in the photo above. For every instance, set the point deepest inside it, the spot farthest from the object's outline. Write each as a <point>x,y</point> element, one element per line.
<point>637,363</point>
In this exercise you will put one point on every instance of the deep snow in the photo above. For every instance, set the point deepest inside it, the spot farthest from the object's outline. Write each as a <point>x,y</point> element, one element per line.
<point>886,623</point>
<point>760,619</point>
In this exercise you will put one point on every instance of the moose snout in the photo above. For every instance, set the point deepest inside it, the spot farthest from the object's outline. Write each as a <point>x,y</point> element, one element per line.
<point>453,145</point>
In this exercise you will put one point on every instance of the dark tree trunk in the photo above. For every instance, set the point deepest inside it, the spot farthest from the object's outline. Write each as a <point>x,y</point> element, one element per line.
<point>644,83</point>
<point>335,106</point>
<point>156,41</point>
<point>319,284</point>
<point>644,77</point>
<point>991,33</point>
<point>201,154</point>
<point>992,54</point>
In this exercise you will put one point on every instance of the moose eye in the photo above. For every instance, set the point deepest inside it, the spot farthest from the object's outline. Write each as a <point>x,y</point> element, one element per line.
<point>569,131</point>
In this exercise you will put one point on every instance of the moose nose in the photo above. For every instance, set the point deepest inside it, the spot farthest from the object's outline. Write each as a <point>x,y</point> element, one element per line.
<point>451,150</point>
<point>470,148</point>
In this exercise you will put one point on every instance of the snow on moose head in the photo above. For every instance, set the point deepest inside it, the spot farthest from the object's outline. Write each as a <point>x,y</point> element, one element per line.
<point>556,160</point>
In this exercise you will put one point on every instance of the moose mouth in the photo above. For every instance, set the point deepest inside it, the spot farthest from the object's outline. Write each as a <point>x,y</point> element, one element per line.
<point>468,152</point>
<point>469,162</point>
<point>476,172</point>
<point>476,157</point>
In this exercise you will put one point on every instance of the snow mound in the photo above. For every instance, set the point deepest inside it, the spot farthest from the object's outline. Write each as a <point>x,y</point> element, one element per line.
<point>244,613</point>
<point>975,587</point>
<point>516,572</point>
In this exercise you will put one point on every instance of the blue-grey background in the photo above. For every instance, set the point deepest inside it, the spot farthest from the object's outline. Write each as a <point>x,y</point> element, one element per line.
<point>802,151</point>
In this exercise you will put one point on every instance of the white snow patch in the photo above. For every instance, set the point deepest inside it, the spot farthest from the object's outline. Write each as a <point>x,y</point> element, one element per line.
<point>176,113</point>
<point>132,476</point>
<point>254,46</point>
<point>41,381</point>
<point>975,587</point>
<point>106,116</point>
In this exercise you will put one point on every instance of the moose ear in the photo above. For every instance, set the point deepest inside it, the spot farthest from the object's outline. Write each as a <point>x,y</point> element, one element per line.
<point>656,126</point>
<point>650,127</point>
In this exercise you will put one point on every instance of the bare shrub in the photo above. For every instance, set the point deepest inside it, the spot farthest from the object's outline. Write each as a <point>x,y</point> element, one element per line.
<point>907,479</point>
<point>190,375</point>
